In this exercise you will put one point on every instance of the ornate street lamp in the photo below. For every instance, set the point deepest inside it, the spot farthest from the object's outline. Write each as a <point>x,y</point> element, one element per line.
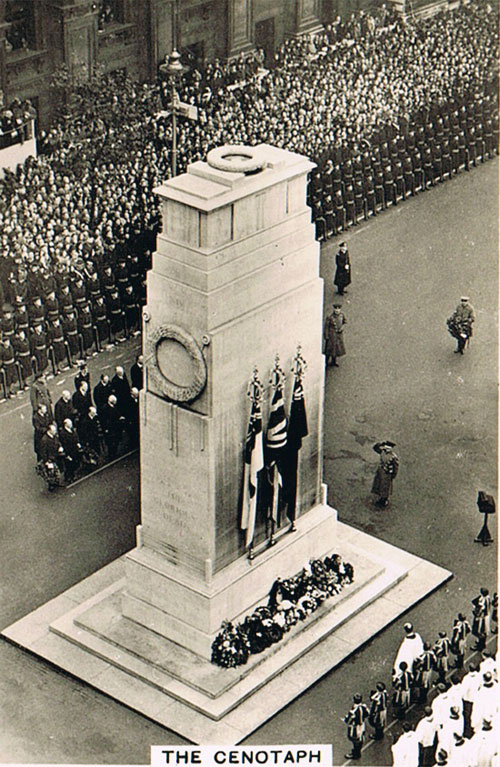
<point>168,71</point>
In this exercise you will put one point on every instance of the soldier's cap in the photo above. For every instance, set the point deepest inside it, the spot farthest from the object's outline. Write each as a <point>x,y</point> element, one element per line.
<point>454,713</point>
<point>337,306</point>
<point>464,298</point>
<point>6,308</point>
<point>357,698</point>
<point>441,634</point>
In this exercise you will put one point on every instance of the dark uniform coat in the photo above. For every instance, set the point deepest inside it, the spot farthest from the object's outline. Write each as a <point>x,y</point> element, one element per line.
<point>333,335</point>
<point>343,271</point>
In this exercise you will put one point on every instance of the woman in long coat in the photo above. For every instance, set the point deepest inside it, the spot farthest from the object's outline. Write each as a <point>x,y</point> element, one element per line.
<point>334,336</point>
<point>386,472</point>
<point>343,271</point>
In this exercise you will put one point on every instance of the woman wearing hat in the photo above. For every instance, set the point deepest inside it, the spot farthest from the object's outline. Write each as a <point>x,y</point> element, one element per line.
<point>386,472</point>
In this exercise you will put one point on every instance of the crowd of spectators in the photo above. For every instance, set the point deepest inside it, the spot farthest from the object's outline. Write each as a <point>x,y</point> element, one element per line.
<point>15,122</point>
<point>383,106</point>
<point>87,427</point>
<point>456,709</point>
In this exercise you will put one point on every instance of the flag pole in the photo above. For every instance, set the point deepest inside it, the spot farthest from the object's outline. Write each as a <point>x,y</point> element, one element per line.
<point>254,393</point>
<point>299,368</point>
<point>277,381</point>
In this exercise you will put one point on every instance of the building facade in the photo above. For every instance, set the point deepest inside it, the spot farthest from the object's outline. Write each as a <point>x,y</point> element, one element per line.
<point>38,36</point>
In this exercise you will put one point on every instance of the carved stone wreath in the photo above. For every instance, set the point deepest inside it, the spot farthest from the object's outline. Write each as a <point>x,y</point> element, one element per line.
<point>156,376</point>
<point>236,158</point>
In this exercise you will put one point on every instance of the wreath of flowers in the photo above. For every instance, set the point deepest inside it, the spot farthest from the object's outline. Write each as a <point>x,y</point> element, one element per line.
<point>290,601</point>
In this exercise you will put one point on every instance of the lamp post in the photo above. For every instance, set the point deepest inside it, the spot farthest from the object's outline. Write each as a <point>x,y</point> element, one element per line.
<point>170,69</point>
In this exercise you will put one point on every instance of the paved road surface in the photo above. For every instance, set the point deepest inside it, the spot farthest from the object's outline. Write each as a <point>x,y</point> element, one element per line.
<point>400,380</point>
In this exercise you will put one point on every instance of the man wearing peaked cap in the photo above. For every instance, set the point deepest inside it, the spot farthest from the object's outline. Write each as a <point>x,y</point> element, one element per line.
<point>333,335</point>
<point>386,472</point>
<point>460,323</point>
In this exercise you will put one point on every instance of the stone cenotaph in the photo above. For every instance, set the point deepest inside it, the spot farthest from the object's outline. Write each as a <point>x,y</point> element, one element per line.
<point>234,282</point>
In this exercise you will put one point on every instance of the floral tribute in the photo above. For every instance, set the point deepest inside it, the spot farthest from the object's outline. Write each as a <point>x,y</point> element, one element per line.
<point>290,601</point>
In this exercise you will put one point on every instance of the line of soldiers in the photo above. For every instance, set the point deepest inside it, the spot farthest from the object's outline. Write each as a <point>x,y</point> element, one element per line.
<point>87,425</point>
<point>399,162</point>
<point>67,316</point>
<point>416,666</point>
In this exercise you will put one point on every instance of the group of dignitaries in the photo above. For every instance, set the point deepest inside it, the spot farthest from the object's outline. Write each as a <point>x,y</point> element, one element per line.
<point>54,320</point>
<point>86,425</point>
<point>459,726</point>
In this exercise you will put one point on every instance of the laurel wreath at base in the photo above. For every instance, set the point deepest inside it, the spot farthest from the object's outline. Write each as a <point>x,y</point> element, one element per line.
<point>167,387</point>
<point>290,601</point>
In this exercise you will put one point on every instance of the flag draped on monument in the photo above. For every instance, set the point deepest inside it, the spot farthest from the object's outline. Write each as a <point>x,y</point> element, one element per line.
<point>276,440</point>
<point>254,462</point>
<point>297,430</point>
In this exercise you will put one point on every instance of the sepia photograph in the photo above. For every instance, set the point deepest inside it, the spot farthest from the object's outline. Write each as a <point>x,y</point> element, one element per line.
<point>249,382</point>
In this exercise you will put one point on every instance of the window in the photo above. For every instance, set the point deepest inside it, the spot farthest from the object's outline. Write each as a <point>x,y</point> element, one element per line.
<point>20,33</point>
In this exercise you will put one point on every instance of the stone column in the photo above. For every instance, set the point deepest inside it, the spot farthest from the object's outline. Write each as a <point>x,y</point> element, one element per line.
<point>234,282</point>
<point>239,27</point>
<point>74,33</point>
<point>307,18</point>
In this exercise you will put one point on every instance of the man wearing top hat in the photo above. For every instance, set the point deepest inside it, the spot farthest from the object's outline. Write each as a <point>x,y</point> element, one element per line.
<point>386,472</point>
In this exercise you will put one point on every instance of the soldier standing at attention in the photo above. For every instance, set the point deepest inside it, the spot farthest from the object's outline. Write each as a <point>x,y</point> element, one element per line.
<point>334,336</point>
<point>343,269</point>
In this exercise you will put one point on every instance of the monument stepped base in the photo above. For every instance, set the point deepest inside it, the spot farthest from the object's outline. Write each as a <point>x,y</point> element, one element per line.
<point>83,632</point>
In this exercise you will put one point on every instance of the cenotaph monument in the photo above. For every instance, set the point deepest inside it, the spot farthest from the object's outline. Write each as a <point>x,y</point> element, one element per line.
<point>234,296</point>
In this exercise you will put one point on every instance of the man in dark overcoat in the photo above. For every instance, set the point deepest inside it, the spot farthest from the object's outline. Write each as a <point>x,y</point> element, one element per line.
<point>343,271</point>
<point>386,472</point>
<point>333,335</point>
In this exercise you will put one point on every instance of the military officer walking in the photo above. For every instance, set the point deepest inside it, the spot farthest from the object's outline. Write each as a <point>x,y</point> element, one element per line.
<point>460,323</point>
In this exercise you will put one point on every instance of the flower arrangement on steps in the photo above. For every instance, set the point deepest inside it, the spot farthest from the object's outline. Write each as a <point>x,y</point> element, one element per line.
<point>290,601</point>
